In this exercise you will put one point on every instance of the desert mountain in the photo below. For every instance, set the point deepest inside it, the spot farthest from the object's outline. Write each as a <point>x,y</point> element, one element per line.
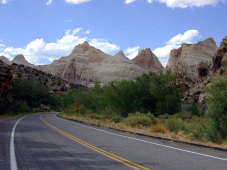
<point>186,60</point>
<point>148,60</point>
<point>86,63</point>
<point>20,59</point>
<point>5,60</point>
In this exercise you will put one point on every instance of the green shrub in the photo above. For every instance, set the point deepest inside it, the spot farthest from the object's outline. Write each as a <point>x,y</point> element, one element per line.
<point>116,119</point>
<point>151,117</point>
<point>82,110</point>
<point>217,109</point>
<point>182,116</point>
<point>139,121</point>
<point>96,116</point>
<point>195,109</point>
<point>165,116</point>
<point>199,132</point>
<point>19,107</point>
<point>175,125</point>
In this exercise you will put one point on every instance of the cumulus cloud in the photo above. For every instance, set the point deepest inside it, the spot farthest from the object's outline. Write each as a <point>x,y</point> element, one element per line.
<point>38,51</point>
<point>183,3</point>
<point>132,52</point>
<point>163,52</point>
<point>129,1</point>
<point>49,2</point>
<point>190,3</point>
<point>4,1</point>
<point>187,37</point>
<point>76,1</point>
<point>104,46</point>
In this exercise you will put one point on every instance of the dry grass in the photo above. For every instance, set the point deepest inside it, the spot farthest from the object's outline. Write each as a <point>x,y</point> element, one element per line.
<point>158,128</point>
<point>155,130</point>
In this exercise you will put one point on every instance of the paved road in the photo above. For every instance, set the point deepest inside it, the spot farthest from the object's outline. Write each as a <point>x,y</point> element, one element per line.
<point>44,141</point>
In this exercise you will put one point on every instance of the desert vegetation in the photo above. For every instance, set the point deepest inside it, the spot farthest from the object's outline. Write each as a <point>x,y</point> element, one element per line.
<point>152,104</point>
<point>27,96</point>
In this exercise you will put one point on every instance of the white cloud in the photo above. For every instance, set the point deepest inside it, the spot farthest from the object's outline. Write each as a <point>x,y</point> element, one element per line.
<point>132,52</point>
<point>129,1</point>
<point>187,37</point>
<point>76,1</point>
<point>104,46</point>
<point>163,52</point>
<point>184,3</point>
<point>4,1</point>
<point>190,3</point>
<point>87,32</point>
<point>77,30</point>
<point>36,51</point>
<point>49,2</point>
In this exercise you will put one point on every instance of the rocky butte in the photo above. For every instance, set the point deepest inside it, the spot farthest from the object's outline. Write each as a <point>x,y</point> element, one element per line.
<point>148,60</point>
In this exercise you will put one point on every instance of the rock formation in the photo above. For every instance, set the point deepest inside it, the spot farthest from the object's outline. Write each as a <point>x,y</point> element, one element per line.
<point>220,58</point>
<point>86,63</point>
<point>206,74</point>
<point>190,60</point>
<point>148,61</point>
<point>20,59</point>
<point>6,60</point>
<point>52,82</point>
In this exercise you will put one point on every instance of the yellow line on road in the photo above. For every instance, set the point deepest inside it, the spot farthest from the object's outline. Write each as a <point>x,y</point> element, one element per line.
<point>106,153</point>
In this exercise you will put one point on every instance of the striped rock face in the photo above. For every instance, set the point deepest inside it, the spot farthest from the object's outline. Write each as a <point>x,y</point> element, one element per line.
<point>186,60</point>
<point>86,64</point>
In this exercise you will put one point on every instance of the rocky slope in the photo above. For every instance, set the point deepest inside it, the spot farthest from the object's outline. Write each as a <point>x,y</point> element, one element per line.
<point>148,60</point>
<point>191,61</point>
<point>206,74</point>
<point>54,83</point>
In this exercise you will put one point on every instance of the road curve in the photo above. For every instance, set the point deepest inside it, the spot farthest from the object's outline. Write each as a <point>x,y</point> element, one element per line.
<point>44,141</point>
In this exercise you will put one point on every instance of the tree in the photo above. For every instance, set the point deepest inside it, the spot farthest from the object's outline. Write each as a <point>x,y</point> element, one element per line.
<point>123,95</point>
<point>165,91</point>
<point>146,99</point>
<point>217,109</point>
<point>31,92</point>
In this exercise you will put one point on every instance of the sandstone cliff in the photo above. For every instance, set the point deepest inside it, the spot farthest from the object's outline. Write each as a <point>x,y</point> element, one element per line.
<point>190,60</point>
<point>206,74</point>
<point>148,60</point>
<point>86,63</point>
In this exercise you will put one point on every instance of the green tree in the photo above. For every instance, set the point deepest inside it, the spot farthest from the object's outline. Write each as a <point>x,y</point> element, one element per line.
<point>77,96</point>
<point>31,92</point>
<point>146,101</point>
<point>165,91</point>
<point>122,95</point>
<point>217,109</point>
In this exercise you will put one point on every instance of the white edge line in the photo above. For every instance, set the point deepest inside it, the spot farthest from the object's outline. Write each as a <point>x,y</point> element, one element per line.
<point>146,141</point>
<point>13,161</point>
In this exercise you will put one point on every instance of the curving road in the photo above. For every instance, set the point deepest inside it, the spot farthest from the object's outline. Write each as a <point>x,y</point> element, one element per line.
<point>44,141</point>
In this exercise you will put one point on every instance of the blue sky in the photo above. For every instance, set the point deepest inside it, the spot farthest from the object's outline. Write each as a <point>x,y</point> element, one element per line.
<point>45,30</point>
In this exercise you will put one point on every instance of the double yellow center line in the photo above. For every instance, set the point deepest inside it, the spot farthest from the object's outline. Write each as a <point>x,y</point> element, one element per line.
<point>108,154</point>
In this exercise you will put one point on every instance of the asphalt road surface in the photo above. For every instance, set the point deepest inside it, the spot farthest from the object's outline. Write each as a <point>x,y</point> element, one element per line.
<point>46,142</point>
